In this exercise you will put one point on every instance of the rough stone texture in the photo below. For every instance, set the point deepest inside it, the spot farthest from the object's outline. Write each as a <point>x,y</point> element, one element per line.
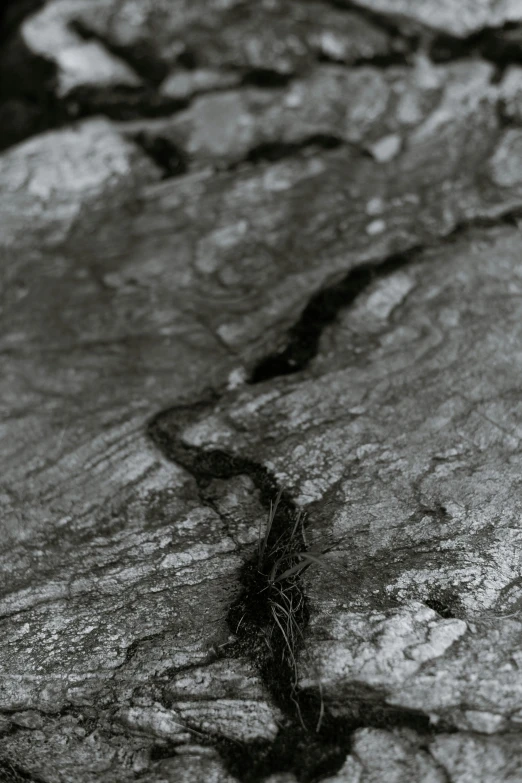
<point>459,19</point>
<point>150,267</point>
<point>485,759</point>
<point>404,465</point>
<point>49,183</point>
<point>350,209</point>
<point>374,109</point>
<point>281,36</point>
<point>392,756</point>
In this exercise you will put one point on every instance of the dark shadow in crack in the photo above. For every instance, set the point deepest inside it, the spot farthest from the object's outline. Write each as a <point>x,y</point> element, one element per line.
<point>322,310</point>
<point>501,46</point>
<point>312,755</point>
<point>170,158</point>
<point>12,14</point>
<point>265,78</point>
<point>120,103</point>
<point>27,96</point>
<point>303,337</point>
<point>274,151</point>
<point>445,602</point>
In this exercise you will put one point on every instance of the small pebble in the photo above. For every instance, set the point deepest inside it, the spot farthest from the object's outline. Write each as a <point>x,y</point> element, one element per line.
<point>237,377</point>
<point>386,148</point>
<point>375,227</point>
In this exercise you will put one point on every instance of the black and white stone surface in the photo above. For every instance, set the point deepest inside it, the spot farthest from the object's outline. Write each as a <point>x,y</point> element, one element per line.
<point>250,247</point>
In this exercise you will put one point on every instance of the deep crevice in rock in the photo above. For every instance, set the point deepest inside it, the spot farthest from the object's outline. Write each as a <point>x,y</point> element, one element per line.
<point>501,46</point>
<point>265,78</point>
<point>441,607</point>
<point>188,59</point>
<point>382,61</point>
<point>310,753</point>
<point>302,746</point>
<point>122,104</point>
<point>303,338</point>
<point>313,755</point>
<point>125,103</point>
<point>163,750</point>
<point>322,310</point>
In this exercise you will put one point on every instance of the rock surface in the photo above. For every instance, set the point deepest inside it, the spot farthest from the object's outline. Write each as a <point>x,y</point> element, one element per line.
<point>458,19</point>
<point>253,247</point>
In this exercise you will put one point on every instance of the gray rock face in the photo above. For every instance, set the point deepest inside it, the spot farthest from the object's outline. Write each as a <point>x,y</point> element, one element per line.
<point>282,36</point>
<point>373,109</point>
<point>404,466</point>
<point>459,19</point>
<point>271,247</point>
<point>49,183</point>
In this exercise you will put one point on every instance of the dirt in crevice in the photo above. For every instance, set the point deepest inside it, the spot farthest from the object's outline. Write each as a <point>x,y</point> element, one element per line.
<point>313,755</point>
